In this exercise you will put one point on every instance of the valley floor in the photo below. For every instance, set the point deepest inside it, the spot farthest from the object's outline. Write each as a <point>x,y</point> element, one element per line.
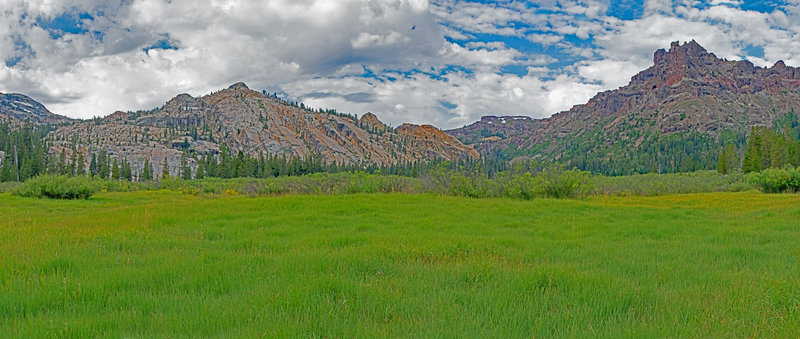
<point>152,264</point>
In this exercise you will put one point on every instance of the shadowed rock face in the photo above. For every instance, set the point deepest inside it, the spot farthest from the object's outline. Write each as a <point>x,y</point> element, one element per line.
<point>18,108</point>
<point>687,89</point>
<point>254,123</point>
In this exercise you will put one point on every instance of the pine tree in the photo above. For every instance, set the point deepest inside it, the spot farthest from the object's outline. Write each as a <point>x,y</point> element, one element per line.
<point>80,165</point>
<point>199,174</point>
<point>165,169</point>
<point>752,156</point>
<point>126,172</point>
<point>115,174</point>
<point>227,168</point>
<point>103,165</point>
<point>61,166</point>
<point>147,171</point>
<point>186,172</point>
<point>93,165</point>
<point>732,158</point>
<point>722,162</point>
<point>212,168</point>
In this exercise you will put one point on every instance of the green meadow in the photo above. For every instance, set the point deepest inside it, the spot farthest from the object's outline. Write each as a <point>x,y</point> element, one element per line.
<point>166,264</point>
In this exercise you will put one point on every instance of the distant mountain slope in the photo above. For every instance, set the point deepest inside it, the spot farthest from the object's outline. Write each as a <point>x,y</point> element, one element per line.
<point>17,108</point>
<point>673,116</point>
<point>254,123</point>
<point>492,128</point>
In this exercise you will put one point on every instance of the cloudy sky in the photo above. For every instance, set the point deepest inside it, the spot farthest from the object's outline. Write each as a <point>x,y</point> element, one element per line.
<point>445,62</point>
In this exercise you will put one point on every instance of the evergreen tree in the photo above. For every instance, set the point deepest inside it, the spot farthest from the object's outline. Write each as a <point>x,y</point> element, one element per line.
<point>752,157</point>
<point>103,165</point>
<point>60,167</point>
<point>147,171</point>
<point>165,169</point>
<point>115,172</point>
<point>186,171</point>
<point>126,172</point>
<point>200,173</point>
<point>73,162</point>
<point>80,165</point>
<point>227,168</point>
<point>728,161</point>
<point>93,165</point>
<point>722,162</point>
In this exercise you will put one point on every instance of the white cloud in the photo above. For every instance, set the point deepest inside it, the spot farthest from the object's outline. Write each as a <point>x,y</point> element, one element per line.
<point>316,50</point>
<point>265,43</point>
<point>610,73</point>
<point>418,98</point>
<point>366,40</point>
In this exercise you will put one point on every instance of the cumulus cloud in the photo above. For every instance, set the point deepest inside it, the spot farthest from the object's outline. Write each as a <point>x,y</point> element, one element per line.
<point>445,62</point>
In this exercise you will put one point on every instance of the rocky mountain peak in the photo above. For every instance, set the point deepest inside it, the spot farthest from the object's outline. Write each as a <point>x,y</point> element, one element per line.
<point>687,93</point>
<point>239,85</point>
<point>370,121</point>
<point>688,55</point>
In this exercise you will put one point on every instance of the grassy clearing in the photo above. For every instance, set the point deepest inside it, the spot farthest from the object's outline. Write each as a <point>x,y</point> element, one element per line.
<point>151,264</point>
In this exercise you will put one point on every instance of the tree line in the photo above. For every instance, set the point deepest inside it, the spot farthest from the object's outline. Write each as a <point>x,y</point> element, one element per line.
<point>26,153</point>
<point>766,147</point>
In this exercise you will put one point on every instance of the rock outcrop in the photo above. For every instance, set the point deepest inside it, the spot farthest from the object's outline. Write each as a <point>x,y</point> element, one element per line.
<point>492,128</point>
<point>254,123</point>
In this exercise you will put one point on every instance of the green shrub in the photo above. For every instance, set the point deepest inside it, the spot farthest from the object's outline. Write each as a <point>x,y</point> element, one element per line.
<point>474,185</point>
<point>777,180</point>
<point>570,184</point>
<point>520,185</point>
<point>57,187</point>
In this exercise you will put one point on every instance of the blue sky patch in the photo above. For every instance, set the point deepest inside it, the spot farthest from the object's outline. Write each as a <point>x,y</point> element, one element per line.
<point>756,51</point>
<point>64,23</point>
<point>162,44</point>
<point>447,105</point>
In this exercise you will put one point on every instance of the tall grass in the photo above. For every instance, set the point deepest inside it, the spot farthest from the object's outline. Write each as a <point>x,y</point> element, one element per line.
<point>678,183</point>
<point>166,264</point>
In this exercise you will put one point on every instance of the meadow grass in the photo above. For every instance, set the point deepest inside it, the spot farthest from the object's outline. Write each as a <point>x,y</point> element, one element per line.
<point>165,264</point>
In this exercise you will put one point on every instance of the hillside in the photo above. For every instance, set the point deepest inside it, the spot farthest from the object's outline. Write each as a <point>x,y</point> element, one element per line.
<point>671,117</point>
<point>255,124</point>
<point>16,109</point>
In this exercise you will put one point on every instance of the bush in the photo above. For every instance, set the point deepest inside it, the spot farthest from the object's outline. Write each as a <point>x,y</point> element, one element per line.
<point>474,185</point>
<point>521,186</point>
<point>777,180</point>
<point>57,187</point>
<point>571,184</point>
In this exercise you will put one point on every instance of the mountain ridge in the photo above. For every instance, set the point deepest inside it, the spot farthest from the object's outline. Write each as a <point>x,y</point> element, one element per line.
<point>16,108</point>
<point>255,124</point>
<point>688,94</point>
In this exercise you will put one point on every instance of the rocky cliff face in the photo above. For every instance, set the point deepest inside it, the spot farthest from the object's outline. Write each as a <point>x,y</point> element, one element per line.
<point>16,109</point>
<point>687,93</point>
<point>492,128</point>
<point>254,123</point>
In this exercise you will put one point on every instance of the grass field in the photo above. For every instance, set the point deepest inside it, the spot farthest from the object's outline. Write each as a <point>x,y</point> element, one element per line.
<point>161,264</point>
